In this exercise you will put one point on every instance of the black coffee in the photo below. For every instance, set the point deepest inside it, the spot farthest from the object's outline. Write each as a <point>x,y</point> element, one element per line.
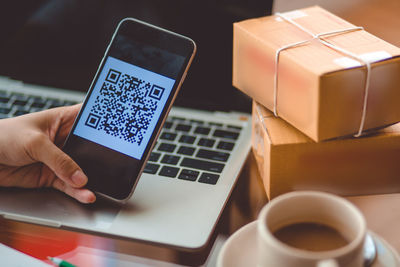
<point>311,236</point>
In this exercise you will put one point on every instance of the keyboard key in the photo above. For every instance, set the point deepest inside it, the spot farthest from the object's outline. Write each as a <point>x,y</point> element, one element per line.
<point>216,124</point>
<point>55,106</point>
<point>31,110</point>
<point>209,178</point>
<point>151,168</point>
<point>187,139</point>
<point>169,171</point>
<point>5,111</point>
<point>233,127</point>
<point>70,103</point>
<point>3,93</point>
<point>202,130</point>
<point>38,104</point>
<point>213,155</point>
<point>186,150</point>
<point>206,142</point>
<point>197,121</point>
<point>20,112</point>
<point>202,165</point>
<point>37,99</point>
<point>19,102</point>
<point>226,134</point>
<point>154,156</point>
<point>189,175</point>
<point>225,145</point>
<point>174,118</point>
<point>55,103</point>
<point>170,159</point>
<point>168,136</point>
<point>183,127</point>
<point>4,99</point>
<point>166,147</point>
<point>18,96</point>
<point>167,125</point>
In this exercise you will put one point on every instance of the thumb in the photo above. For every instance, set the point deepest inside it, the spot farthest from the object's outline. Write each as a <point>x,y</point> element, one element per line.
<point>61,164</point>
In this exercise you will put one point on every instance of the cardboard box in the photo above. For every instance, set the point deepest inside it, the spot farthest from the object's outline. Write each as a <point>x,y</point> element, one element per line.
<point>288,160</point>
<point>320,91</point>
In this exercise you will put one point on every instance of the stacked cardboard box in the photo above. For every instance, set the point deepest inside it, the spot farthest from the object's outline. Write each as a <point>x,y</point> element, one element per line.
<point>321,93</point>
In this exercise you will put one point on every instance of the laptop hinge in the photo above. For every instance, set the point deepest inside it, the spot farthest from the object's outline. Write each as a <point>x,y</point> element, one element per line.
<point>29,219</point>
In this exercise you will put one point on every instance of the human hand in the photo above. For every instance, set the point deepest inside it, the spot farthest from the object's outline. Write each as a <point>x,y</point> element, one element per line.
<point>30,154</point>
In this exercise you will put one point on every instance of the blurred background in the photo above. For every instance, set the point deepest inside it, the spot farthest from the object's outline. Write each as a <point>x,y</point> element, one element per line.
<point>60,43</point>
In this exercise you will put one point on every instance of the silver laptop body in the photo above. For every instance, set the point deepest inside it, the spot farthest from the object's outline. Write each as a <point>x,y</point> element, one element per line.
<point>174,211</point>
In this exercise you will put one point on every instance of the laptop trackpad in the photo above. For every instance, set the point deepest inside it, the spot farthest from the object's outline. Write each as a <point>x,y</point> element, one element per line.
<point>53,208</point>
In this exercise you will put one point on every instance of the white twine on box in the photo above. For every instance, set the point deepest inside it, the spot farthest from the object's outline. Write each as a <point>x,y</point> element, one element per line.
<point>261,117</point>
<point>332,46</point>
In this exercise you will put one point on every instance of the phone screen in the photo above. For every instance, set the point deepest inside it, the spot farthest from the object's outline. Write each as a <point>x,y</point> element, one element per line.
<point>126,104</point>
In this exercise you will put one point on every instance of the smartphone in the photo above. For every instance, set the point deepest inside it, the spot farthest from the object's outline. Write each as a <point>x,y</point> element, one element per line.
<point>126,105</point>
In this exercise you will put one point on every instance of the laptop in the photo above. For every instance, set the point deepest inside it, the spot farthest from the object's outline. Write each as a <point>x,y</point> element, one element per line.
<point>200,152</point>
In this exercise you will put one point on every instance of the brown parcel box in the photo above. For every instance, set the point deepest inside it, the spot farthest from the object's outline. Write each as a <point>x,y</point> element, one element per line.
<point>316,92</point>
<point>288,160</point>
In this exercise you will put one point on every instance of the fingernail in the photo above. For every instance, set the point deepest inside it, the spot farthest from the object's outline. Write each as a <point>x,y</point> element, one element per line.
<point>79,178</point>
<point>92,199</point>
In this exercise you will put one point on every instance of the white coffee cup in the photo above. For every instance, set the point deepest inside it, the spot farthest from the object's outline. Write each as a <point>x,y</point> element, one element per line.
<point>310,207</point>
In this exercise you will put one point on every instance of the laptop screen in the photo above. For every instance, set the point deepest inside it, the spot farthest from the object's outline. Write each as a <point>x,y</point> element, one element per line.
<point>60,43</point>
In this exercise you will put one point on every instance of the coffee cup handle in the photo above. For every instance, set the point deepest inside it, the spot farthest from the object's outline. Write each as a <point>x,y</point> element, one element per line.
<point>327,263</point>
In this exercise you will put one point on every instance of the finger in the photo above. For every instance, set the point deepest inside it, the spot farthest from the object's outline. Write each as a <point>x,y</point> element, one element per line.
<point>43,150</point>
<point>69,113</point>
<point>82,195</point>
<point>68,116</point>
<point>66,111</point>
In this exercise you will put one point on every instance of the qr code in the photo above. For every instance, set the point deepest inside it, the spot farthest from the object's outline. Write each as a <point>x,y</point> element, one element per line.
<point>125,106</point>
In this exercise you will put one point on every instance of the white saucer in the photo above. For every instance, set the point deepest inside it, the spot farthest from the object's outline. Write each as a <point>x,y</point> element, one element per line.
<point>241,250</point>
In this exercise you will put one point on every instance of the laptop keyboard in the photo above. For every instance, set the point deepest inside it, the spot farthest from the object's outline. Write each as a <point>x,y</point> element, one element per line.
<point>16,104</point>
<point>187,149</point>
<point>192,150</point>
